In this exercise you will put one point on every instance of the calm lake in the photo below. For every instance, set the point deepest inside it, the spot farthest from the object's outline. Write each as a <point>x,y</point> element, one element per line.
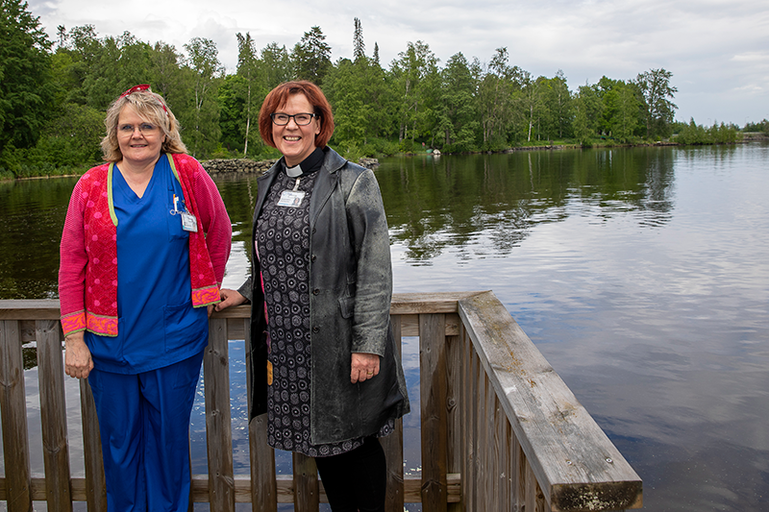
<point>642,274</point>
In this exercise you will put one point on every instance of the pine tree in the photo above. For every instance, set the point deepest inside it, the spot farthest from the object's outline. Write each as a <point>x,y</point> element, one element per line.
<point>359,47</point>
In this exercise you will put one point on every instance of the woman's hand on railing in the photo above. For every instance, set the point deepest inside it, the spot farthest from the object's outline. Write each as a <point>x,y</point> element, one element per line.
<point>229,298</point>
<point>77,358</point>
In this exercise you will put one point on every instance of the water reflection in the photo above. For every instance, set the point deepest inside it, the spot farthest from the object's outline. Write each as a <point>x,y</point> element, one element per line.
<point>476,206</point>
<point>31,219</point>
<point>438,203</point>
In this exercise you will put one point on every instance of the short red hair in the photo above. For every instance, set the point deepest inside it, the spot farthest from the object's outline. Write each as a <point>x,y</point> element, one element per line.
<point>279,96</point>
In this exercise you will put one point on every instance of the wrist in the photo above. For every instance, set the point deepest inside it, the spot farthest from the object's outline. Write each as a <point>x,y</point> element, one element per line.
<point>74,338</point>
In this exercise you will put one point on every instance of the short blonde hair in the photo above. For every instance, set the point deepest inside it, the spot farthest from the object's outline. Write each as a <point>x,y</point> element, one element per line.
<point>150,107</point>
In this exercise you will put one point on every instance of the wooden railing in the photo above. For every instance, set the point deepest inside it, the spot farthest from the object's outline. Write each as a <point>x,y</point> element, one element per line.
<point>499,428</point>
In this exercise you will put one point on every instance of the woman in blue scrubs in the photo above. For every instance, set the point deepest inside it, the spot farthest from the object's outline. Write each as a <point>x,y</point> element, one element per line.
<point>143,252</point>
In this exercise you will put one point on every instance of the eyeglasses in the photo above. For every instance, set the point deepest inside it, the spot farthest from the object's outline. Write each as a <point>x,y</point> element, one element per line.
<point>128,129</point>
<point>282,119</point>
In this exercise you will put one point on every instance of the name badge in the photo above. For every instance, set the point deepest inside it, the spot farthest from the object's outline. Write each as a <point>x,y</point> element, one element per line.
<point>189,223</point>
<point>291,198</point>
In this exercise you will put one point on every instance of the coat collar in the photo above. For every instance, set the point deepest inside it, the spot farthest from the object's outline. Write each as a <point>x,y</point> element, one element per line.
<point>328,177</point>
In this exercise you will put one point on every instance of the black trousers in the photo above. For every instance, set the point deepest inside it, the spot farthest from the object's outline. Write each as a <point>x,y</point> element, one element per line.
<point>356,480</point>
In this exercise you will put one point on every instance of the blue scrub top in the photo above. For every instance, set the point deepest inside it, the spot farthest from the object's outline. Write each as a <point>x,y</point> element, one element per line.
<point>157,325</point>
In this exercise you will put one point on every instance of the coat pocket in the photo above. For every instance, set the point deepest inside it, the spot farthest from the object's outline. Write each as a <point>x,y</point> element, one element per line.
<point>346,306</point>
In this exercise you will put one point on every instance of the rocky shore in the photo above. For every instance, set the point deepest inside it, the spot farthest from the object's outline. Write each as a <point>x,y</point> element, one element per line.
<point>236,166</point>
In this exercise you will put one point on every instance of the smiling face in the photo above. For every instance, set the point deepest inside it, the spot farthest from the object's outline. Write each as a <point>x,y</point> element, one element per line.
<point>141,144</point>
<point>296,142</point>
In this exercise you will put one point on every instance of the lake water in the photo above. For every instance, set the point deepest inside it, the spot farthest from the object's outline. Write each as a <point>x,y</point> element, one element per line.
<point>641,274</point>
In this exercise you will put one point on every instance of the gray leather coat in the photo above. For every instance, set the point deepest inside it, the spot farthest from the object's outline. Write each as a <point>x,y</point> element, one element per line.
<point>350,293</point>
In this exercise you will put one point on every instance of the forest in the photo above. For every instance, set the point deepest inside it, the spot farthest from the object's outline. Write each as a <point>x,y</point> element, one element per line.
<point>54,94</point>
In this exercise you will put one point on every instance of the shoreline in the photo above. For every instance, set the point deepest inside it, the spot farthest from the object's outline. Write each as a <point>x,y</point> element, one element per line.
<point>231,166</point>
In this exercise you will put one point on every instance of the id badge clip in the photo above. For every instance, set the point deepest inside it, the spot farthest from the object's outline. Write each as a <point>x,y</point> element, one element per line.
<point>189,222</point>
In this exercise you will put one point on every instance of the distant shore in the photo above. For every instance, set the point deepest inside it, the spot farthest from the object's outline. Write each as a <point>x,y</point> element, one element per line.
<point>240,166</point>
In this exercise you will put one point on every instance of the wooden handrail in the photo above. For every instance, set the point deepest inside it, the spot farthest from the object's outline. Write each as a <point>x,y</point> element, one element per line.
<point>576,465</point>
<point>500,429</point>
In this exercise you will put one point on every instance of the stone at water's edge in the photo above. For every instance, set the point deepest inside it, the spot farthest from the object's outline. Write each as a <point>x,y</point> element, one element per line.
<point>236,166</point>
<point>246,166</point>
<point>369,163</point>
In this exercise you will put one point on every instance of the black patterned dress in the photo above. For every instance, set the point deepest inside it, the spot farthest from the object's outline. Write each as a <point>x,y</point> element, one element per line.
<point>283,246</point>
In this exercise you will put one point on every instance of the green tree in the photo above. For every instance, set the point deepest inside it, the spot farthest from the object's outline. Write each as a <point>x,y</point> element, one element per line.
<point>26,82</point>
<point>557,106</point>
<point>621,111</point>
<point>357,91</point>
<point>276,65</point>
<point>495,95</point>
<point>457,105</point>
<point>134,64</point>
<point>762,126</point>
<point>416,80</point>
<point>588,111</point>
<point>203,60</point>
<point>232,106</point>
<point>359,47</point>
<point>74,60</point>
<point>527,107</point>
<point>97,70</point>
<point>169,79</point>
<point>69,141</point>
<point>375,55</point>
<point>312,56</point>
<point>346,92</point>
<point>656,96</point>
<point>253,80</point>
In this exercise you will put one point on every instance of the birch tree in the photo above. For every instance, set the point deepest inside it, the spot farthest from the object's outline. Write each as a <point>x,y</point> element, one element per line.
<point>203,61</point>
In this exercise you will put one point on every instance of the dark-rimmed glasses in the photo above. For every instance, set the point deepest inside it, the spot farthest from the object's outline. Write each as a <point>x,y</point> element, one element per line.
<point>129,129</point>
<point>302,119</point>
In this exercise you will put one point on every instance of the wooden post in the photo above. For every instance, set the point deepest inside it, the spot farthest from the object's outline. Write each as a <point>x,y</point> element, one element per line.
<point>13,405</point>
<point>264,487</point>
<point>306,492</point>
<point>393,444</point>
<point>53,415</point>
<point>221,482</point>
<point>95,481</point>
<point>519,480</point>
<point>432,378</point>
<point>454,371</point>
<point>481,463</point>
<point>468,424</point>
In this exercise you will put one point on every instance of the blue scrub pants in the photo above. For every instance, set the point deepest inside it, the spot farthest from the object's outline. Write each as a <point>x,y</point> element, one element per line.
<point>144,422</point>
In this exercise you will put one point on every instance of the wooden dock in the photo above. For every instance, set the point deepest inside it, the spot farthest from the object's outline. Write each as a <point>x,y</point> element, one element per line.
<point>499,428</point>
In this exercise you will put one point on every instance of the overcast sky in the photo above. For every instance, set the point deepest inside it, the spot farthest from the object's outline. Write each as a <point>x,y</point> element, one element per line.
<point>717,50</point>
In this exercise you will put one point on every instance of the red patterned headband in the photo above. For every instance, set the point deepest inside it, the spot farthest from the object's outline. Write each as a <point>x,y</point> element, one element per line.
<point>139,88</point>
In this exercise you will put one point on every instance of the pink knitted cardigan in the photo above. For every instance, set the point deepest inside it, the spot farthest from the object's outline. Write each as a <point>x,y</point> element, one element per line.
<point>88,271</point>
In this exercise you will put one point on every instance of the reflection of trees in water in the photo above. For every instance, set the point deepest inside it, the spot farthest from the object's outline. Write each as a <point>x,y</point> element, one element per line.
<point>474,206</point>
<point>485,205</point>
<point>31,219</point>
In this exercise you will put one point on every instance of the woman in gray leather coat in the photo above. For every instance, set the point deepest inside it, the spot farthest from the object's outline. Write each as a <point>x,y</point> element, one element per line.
<point>324,364</point>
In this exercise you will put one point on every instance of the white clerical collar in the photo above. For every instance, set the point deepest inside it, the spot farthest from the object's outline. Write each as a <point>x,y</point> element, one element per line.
<point>293,172</point>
